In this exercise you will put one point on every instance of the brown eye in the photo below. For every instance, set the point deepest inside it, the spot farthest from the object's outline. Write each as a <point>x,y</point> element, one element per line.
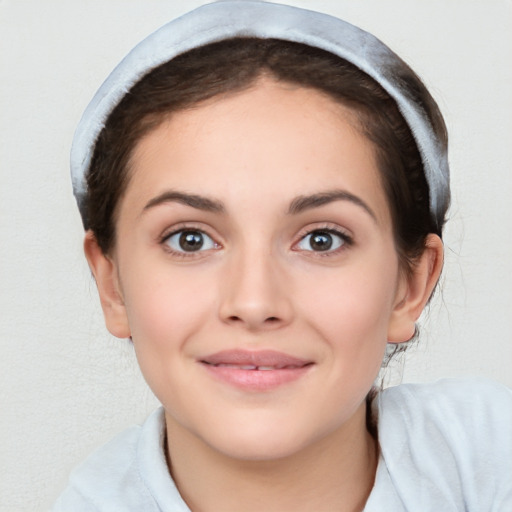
<point>189,240</point>
<point>322,241</point>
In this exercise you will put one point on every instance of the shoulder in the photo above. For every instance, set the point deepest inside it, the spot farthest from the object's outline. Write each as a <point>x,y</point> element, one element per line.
<point>480,403</point>
<point>449,443</point>
<point>122,474</point>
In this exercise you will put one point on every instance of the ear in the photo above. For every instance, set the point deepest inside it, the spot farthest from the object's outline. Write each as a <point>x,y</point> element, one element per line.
<point>105,273</point>
<point>415,290</point>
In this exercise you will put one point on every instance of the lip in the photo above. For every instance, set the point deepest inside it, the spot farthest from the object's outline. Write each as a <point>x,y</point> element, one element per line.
<point>255,370</point>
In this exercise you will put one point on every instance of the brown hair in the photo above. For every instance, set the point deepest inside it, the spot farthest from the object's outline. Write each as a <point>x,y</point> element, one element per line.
<point>235,64</point>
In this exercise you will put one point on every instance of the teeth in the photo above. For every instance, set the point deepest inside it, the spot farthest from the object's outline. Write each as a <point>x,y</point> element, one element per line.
<point>240,367</point>
<point>254,367</point>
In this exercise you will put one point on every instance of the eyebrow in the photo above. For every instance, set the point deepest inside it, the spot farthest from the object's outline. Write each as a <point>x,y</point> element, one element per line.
<point>298,205</point>
<point>195,201</point>
<point>302,203</point>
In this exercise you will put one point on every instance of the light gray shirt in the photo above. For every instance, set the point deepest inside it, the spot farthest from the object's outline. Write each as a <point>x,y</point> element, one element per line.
<point>444,447</point>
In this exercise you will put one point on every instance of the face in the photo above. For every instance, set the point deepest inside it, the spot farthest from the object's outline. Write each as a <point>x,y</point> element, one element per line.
<point>256,270</point>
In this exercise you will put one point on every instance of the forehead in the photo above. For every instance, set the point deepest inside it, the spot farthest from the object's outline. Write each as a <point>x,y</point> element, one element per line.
<point>274,140</point>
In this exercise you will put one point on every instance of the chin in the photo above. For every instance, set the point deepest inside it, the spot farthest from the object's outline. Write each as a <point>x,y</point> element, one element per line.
<point>263,441</point>
<point>261,450</point>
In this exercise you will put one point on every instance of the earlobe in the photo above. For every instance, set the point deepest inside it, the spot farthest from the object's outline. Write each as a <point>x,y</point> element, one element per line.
<point>107,281</point>
<point>416,291</point>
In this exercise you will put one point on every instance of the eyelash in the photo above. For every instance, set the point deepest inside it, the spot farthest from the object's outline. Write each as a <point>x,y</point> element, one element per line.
<point>346,241</point>
<point>164,241</point>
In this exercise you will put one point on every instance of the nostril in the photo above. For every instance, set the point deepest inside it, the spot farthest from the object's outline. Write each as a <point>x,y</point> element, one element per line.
<point>270,319</point>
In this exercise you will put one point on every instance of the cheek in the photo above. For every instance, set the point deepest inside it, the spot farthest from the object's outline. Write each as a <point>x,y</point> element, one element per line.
<point>351,312</point>
<point>355,301</point>
<point>166,309</point>
<point>166,306</point>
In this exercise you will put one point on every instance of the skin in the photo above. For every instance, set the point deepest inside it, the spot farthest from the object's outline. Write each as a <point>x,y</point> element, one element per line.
<point>258,284</point>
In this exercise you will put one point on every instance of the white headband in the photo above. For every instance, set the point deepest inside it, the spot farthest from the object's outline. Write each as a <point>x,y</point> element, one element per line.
<point>253,18</point>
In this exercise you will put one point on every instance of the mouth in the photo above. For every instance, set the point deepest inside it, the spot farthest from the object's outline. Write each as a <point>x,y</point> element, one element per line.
<point>255,370</point>
<point>253,367</point>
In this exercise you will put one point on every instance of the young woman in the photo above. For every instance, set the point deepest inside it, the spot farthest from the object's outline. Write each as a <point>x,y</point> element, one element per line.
<point>263,191</point>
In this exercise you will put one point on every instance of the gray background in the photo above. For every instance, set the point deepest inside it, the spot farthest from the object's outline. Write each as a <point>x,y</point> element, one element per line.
<point>66,386</point>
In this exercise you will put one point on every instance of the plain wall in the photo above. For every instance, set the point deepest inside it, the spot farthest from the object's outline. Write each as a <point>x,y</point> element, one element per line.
<point>66,386</point>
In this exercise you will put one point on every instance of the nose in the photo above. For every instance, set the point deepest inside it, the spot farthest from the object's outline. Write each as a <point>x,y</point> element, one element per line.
<point>255,294</point>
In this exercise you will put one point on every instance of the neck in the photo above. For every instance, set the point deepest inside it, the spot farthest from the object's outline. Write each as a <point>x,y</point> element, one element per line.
<point>334,473</point>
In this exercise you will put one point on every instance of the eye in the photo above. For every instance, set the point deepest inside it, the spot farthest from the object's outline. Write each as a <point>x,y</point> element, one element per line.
<point>322,241</point>
<point>189,240</point>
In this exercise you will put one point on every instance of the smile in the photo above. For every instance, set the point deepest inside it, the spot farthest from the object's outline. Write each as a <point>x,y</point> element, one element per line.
<point>253,367</point>
<point>255,371</point>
